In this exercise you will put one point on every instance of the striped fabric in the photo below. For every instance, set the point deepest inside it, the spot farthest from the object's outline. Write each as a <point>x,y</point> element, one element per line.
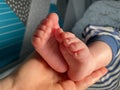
<point>11,34</point>
<point>111,80</point>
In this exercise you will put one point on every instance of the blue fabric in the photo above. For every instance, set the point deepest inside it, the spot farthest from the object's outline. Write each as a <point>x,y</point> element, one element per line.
<point>101,12</point>
<point>11,34</point>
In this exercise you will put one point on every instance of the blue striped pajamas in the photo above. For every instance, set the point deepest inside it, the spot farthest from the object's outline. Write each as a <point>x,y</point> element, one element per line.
<point>111,36</point>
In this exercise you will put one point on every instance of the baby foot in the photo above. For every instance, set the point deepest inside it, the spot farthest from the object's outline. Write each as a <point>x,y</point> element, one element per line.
<point>76,54</point>
<point>46,45</point>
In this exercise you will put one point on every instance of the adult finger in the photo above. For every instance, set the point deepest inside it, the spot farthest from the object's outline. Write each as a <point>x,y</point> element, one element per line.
<point>91,79</point>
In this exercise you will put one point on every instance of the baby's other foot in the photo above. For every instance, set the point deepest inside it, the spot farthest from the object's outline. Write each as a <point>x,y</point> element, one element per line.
<point>76,54</point>
<point>47,46</point>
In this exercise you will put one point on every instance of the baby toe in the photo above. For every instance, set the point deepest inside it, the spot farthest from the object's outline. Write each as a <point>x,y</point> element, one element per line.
<point>68,41</point>
<point>41,27</point>
<point>75,46</point>
<point>67,35</point>
<point>47,22</point>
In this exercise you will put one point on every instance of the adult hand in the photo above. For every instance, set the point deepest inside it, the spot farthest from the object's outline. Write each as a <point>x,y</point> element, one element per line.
<point>35,74</point>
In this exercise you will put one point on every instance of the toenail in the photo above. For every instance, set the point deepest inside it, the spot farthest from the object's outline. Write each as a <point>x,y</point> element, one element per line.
<point>72,46</point>
<point>67,40</point>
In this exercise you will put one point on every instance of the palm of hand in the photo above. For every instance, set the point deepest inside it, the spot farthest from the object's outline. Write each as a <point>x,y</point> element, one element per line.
<point>35,74</point>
